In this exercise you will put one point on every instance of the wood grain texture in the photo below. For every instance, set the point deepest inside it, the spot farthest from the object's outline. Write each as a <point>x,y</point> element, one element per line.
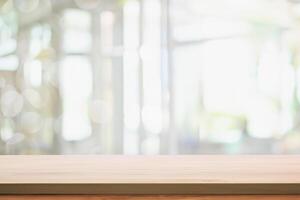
<point>209,174</point>
<point>153,169</point>
<point>153,197</point>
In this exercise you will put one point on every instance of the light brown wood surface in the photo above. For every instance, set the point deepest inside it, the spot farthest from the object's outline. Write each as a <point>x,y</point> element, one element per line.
<point>213,174</point>
<point>153,197</point>
<point>153,169</point>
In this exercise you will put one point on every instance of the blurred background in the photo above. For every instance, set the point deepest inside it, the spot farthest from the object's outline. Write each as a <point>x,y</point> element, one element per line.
<point>149,76</point>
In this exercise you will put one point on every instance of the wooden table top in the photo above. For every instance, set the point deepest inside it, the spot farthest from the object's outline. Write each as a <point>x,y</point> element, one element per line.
<point>207,174</point>
<point>152,197</point>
